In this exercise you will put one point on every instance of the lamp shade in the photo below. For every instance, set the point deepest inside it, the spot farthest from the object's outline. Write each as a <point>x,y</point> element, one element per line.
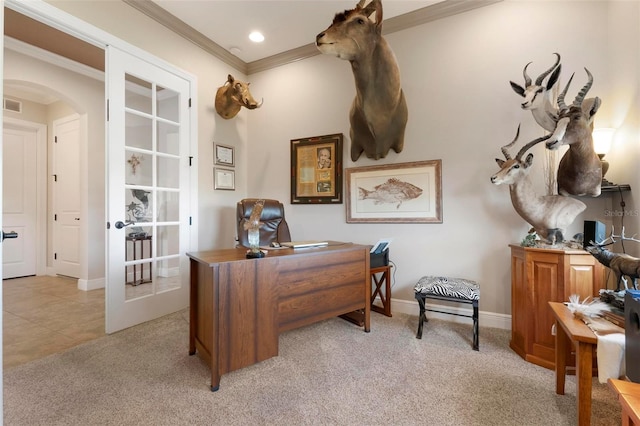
<point>602,138</point>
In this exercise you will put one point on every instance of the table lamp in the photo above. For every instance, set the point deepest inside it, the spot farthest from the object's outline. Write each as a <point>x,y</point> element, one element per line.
<point>602,138</point>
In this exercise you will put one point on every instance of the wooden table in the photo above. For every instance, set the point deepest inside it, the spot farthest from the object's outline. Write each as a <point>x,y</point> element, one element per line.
<point>629,397</point>
<point>239,306</point>
<point>385,297</point>
<point>571,331</point>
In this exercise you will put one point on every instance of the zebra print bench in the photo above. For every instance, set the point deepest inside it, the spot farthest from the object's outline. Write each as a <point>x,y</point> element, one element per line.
<point>457,290</point>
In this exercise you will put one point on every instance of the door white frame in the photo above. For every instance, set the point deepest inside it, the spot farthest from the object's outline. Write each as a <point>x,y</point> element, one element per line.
<point>48,14</point>
<point>41,184</point>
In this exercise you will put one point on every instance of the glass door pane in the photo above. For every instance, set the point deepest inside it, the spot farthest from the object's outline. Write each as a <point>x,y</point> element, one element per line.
<point>152,154</point>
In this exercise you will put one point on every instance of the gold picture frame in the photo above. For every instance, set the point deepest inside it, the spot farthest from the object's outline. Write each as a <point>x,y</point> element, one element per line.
<point>316,170</point>
<point>395,193</point>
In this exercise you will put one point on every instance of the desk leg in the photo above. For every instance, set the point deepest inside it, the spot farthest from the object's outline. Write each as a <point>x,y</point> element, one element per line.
<point>584,370</point>
<point>215,381</point>
<point>562,349</point>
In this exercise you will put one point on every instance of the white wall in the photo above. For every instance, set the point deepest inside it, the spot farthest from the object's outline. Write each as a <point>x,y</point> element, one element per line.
<point>456,74</point>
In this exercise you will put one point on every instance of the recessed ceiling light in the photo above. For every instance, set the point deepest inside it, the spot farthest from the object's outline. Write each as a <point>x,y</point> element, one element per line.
<point>256,37</point>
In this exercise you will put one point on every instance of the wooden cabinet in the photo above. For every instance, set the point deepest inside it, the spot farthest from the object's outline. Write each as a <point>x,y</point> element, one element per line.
<point>539,276</point>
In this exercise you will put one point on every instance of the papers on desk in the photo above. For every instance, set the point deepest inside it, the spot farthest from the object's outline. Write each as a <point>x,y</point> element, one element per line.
<point>304,244</point>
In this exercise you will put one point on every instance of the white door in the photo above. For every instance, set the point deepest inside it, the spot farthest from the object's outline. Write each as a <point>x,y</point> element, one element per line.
<point>19,201</point>
<point>148,193</point>
<point>66,196</point>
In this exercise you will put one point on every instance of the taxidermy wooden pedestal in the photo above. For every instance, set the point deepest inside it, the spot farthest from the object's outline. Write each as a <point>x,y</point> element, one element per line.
<point>539,276</point>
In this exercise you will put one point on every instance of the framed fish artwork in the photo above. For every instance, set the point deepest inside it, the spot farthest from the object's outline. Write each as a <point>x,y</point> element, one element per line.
<point>316,170</point>
<point>395,193</point>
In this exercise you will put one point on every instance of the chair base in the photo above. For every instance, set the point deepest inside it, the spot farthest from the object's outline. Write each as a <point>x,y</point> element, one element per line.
<point>421,298</point>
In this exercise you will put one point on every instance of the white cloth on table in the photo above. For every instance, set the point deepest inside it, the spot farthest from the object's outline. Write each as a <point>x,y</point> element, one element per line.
<point>610,347</point>
<point>611,361</point>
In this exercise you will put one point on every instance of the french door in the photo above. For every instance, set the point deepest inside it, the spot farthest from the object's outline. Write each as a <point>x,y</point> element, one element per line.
<point>148,191</point>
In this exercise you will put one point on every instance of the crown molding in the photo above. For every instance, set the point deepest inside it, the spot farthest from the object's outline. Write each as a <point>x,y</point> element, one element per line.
<point>436,11</point>
<point>158,14</point>
<point>430,13</point>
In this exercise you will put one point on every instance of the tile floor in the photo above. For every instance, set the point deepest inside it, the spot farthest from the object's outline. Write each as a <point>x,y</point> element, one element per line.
<point>45,315</point>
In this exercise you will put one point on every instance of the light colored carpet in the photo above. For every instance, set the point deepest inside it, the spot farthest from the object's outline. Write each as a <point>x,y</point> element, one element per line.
<point>330,373</point>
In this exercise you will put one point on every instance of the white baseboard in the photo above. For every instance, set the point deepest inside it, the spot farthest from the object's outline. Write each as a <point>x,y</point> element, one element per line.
<point>88,285</point>
<point>485,319</point>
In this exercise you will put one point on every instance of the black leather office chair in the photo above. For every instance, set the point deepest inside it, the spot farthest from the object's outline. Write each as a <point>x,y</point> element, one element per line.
<point>274,227</point>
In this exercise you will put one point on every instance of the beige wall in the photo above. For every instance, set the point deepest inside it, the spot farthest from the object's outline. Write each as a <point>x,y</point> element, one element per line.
<point>456,74</point>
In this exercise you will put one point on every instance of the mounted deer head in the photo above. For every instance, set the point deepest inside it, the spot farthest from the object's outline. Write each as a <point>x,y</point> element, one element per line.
<point>378,114</point>
<point>233,95</point>
<point>579,171</point>
<point>549,215</point>
<point>539,98</point>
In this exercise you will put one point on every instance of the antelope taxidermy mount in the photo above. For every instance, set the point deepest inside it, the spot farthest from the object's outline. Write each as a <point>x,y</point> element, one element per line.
<point>233,95</point>
<point>378,114</point>
<point>539,97</point>
<point>549,215</point>
<point>580,170</point>
<point>620,263</point>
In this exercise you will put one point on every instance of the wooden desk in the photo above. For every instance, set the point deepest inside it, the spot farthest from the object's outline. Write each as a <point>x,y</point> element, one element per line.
<point>239,306</point>
<point>629,397</point>
<point>571,331</point>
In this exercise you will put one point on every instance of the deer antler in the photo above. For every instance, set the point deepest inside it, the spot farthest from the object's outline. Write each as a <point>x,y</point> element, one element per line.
<point>622,237</point>
<point>604,243</point>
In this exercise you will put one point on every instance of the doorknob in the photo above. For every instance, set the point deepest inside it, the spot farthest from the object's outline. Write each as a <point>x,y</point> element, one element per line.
<point>12,234</point>
<point>120,224</point>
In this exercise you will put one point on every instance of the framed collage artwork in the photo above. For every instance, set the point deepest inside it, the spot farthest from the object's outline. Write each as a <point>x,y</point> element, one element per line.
<point>316,170</point>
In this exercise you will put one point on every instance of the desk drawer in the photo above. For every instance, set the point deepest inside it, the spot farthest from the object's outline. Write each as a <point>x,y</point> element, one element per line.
<point>315,288</point>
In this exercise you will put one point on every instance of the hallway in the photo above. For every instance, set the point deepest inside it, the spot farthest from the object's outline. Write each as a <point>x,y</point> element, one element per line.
<point>43,315</point>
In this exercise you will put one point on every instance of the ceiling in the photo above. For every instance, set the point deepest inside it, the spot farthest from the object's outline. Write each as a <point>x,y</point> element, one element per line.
<point>286,25</point>
<point>221,27</point>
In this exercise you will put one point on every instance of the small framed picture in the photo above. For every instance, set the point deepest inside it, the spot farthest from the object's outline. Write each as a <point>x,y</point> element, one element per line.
<point>224,179</point>
<point>224,155</point>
